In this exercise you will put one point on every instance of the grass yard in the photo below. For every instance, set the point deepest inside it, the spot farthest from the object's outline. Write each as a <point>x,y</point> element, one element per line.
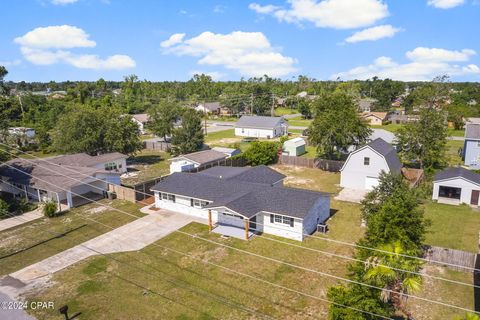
<point>223,137</point>
<point>37,154</point>
<point>147,165</point>
<point>182,287</point>
<point>33,232</point>
<point>284,111</point>
<point>453,157</point>
<point>311,152</point>
<point>455,227</point>
<point>299,122</point>
<point>389,127</point>
<point>456,133</point>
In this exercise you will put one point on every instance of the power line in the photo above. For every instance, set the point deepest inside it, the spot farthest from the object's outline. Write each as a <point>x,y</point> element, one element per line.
<point>234,271</point>
<point>283,262</point>
<point>339,256</point>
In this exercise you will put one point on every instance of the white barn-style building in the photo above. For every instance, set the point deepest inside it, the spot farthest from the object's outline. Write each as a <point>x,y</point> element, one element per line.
<point>456,186</point>
<point>261,127</point>
<point>363,166</point>
<point>239,201</point>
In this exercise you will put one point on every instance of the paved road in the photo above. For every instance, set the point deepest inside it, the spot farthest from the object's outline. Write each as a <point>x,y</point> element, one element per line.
<point>24,218</point>
<point>6,314</point>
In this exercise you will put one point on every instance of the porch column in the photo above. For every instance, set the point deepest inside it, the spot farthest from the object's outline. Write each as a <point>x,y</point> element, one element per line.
<point>210,220</point>
<point>38,195</point>
<point>59,204</point>
<point>246,228</point>
<point>69,199</point>
<point>26,193</point>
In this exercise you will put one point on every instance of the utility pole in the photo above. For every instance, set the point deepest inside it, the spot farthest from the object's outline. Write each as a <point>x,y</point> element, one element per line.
<point>272,112</point>
<point>206,115</point>
<point>21,105</point>
<point>251,104</point>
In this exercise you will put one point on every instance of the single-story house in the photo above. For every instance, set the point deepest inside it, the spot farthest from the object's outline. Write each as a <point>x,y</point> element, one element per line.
<point>385,135</point>
<point>22,131</point>
<point>230,152</point>
<point>209,107</point>
<point>68,185</point>
<point>112,162</point>
<point>238,201</point>
<point>402,118</point>
<point>456,186</point>
<point>294,147</point>
<point>261,127</point>
<point>363,166</point>
<point>375,118</point>
<point>471,146</point>
<point>199,159</point>
<point>365,104</point>
<point>141,120</point>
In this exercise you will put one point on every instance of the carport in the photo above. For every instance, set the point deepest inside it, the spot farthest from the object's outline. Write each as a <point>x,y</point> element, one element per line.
<point>232,224</point>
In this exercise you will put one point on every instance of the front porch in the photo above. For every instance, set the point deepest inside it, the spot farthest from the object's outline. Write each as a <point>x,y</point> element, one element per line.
<point>232,224</point>
<point>82,199</point>
<point>231,231</point>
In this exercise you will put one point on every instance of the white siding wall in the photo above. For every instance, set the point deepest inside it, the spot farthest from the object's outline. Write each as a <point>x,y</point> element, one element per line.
<point>280,229</point>
<point>256,133</point>
<point>181,165</point>
<point>182,205</point>
<point>319,213</point>
<point>355,172</point>
<point>465,195</point>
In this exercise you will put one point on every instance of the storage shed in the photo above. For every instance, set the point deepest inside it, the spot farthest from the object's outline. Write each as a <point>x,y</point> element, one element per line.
<point>294,147</point>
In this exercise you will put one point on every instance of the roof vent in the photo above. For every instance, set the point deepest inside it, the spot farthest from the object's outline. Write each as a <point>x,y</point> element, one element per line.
<point>220,176</point>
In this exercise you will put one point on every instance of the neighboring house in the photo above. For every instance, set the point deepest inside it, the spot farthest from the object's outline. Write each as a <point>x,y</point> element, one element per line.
<point>209,107</point>
<point>69,185</point>
<point>364,165</point>
<point>230,152</point>
<point>22,131</point>
<point>199,159</point>
<point>365,104</point>
<point>472,120</point>
<point>456,186</point>
<point>402,118</point>
<point>261,127</point>
<point>294,147</point>
<point>239,201</point>
<point>471,146</point>
<point>385,135</point>
<point>375,118</point>
<point>141,120</point>
<point>111,162</point>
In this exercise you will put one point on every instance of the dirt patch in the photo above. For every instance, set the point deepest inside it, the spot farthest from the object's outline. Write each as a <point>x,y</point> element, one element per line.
<point>96,210</point>
<point>228,140</point>
<point>297,181</point>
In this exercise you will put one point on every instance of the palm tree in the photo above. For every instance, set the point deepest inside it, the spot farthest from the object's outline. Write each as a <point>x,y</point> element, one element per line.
<point>384,270</point>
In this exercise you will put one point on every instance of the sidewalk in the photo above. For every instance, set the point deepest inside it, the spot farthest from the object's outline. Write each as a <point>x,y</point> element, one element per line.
<point>20,219</point>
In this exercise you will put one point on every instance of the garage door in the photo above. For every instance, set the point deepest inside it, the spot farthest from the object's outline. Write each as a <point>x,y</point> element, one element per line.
<point>371,182</point>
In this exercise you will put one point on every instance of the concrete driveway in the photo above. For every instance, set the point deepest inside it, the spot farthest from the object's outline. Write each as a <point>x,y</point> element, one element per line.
<point>351,195</point>
<point>21,219</point>
<point>130,237</point>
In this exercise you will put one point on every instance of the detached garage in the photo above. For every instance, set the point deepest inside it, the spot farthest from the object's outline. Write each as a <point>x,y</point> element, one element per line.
<point>364,165</point>
<point>456,186</point>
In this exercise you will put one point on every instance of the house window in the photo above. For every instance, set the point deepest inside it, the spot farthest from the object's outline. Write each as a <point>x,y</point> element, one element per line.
<point>168,197</point>
<point>275,218</point>
<point>198,203</point>
<point>449,192</point>
<point>110,166</point>
<point>243,130</point>
<point>366,161</point>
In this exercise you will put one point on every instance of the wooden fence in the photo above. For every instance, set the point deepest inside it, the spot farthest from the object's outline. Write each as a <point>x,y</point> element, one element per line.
<point>326,165</point>
<point>157,145</point>
<point>122,192</point>
<point>230,162</point>
<point>142,189</point>
<point>450,258</point>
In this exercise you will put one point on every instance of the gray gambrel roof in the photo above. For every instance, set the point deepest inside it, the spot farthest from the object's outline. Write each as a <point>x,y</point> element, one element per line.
<point>261,122</point>
<point>246,192</point>
<point>472,131</point>
<point>458,172</point>
<point>388,152</point>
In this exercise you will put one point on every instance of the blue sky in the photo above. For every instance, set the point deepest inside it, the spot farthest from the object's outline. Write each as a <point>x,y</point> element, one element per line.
<point>43,40</point>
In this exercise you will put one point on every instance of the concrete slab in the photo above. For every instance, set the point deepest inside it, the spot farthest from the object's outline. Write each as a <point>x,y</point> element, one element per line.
<point>351,195</point>
<point>21,219</point>
<point>231,231</point>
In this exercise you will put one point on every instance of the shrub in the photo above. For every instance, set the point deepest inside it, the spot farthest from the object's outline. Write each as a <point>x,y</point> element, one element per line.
<point>3,208</point>
<point>49,209</point>
<point>262,153</point>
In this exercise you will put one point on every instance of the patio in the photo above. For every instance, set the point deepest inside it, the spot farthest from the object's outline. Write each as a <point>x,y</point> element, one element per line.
<point>232,231</point>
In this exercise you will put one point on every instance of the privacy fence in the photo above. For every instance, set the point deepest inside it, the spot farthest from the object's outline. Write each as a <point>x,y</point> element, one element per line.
<point>157,145</point>
<point>323,164</point>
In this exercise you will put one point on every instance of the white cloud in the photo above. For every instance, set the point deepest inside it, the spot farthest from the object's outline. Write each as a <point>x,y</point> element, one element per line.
<point>249,53</point>
<point>173,40</point>
<point>219,8</point>
<point>55,37</point>
<point>215,75</point>
<point>47,46</point>
<point>338,14</point>
<point>62,2</point>
<point>10,63</point>
<point>373,34</point>
<point>417,69</point>
<point>435,54</point>
<point>445,4</point>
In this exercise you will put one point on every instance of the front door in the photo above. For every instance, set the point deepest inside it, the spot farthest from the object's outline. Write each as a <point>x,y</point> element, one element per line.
<point>474,198</point>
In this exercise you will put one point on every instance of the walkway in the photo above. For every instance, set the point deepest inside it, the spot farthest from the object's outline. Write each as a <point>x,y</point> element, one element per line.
<point>130,237</point>
<point>21,219</point>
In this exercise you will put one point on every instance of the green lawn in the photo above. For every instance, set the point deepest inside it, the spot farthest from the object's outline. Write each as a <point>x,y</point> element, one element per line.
<point>456,133</point>
<point>284,111</point>
<point>311,152</point>
<point>455,227</point>
<point>219,136</point>
<point>37,154</point>
<point>453,157</point>
<point>147,165</point>
<point>389,127</point>
<point>299,122</point>
<point>33,232</point>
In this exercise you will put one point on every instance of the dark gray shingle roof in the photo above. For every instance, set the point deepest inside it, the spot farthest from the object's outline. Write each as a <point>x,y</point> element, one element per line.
<point>85,160</point>
<point>388,152</point>
<point>244,191</point>
<point>472,131</point>
<point>204,157</point>
<point>457,172</point>
<point>258,122</point>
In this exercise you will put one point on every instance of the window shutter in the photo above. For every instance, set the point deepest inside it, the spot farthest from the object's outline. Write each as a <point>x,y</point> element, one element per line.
<point>191,202</point>
<point>291,222</point>
<point>271,218</point>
